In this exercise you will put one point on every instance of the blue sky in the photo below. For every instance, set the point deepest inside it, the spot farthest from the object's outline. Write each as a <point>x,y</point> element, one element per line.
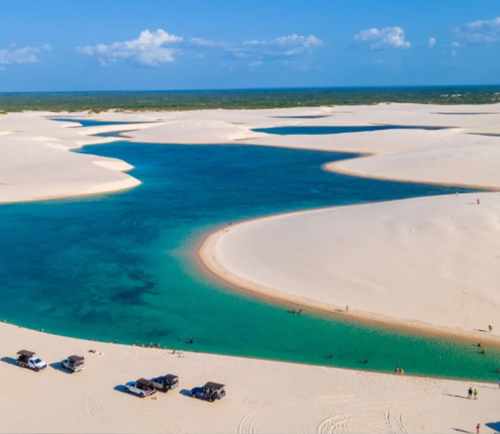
<point>63,45</point>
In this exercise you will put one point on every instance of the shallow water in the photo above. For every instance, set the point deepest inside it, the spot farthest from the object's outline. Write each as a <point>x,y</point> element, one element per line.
<point>120,266</point>
<point>318,130</point>
<point>96,123</point>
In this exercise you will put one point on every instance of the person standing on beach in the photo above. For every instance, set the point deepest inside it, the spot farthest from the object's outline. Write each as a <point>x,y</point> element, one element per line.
<point>401,372</point>
<point>470,393</point>
<point>478,428</point>
<point>490,328</point>
<point>396,371</point>
<point>475,394</point>
<point>347,308</point>
<point>499,383</point>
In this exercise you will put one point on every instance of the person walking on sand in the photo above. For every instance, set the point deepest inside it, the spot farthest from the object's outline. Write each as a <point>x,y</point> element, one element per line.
<point>478,201</point>
<point>499,383</point>
<point>396,370</point>
<point>490,328</point>
<point>478,428</point>
<point>347,308</point>
<point>475,394</point>
<point>401,372</point>
<point>470,393</point>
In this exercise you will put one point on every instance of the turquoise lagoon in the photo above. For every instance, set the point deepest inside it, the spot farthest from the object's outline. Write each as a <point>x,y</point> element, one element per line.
<point>335,129</point>
<point>123,265</point>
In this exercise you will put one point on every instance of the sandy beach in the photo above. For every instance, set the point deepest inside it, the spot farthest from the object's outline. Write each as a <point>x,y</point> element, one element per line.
<point>262,396</point>
<point>429,263</point>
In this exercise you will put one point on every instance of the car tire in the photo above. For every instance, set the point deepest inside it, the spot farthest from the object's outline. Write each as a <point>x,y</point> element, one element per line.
<point>127,390</point>
<point>143,395</point>
<point>37,369</point>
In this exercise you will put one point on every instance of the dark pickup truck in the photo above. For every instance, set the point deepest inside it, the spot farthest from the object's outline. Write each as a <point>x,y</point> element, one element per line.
<point>166,382</point>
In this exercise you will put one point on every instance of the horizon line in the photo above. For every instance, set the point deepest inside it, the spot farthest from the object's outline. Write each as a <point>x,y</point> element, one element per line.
<point>432,86</point>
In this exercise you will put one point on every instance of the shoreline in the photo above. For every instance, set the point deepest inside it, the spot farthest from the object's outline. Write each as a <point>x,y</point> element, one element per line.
<point>335,167</point>
<point>94,400</point>
<point>238,357</point>
<point>134,182</point>
<point>211,266</point>
<point>216,270</point>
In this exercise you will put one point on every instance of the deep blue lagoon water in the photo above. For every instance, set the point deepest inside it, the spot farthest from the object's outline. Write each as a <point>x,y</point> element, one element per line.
<point>333,129</point>
<point>95,123</point>
<point>121,266</point>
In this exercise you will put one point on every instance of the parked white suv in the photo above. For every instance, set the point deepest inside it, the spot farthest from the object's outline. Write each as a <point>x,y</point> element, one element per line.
<point>141,387</point>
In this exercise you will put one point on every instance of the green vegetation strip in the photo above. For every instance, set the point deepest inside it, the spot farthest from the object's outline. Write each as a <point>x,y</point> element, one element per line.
<point>243,99</point>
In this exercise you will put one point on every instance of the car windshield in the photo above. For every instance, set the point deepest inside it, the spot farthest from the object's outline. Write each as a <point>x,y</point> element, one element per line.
<point>37,361</point>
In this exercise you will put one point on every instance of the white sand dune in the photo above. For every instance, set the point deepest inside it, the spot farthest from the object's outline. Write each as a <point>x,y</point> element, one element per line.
<point>431,261</point>
<point>35,163</point>
<point>262,396</point>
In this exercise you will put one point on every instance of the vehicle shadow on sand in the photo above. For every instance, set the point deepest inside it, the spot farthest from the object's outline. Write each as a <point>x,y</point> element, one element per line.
<point>10,361</point>
<point>120,388</point>
<point>185,392</point>
<point>495,426</point>
<point>57,366</point>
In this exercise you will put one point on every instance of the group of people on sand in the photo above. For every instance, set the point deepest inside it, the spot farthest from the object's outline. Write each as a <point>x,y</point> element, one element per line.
<point>472,393</point>
<point>399,371</point>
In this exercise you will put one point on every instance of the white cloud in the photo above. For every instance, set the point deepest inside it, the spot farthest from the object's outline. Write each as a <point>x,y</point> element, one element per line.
<point>159,48</point>
<point>13,54</point>
<point>255,63</point>
<point>149,49</point>
<point>455,44</point>
<point>388,37</point>
<point>290,45</point>
<point>481,31</point>
<point>298,44</point>
<point>207,43</point>
<point>432,42</point>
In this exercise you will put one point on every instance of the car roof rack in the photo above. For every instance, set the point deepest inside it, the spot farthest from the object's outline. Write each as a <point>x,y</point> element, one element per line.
<point>26,353</point>
<point>171,377</point>
<point>212,385</point>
